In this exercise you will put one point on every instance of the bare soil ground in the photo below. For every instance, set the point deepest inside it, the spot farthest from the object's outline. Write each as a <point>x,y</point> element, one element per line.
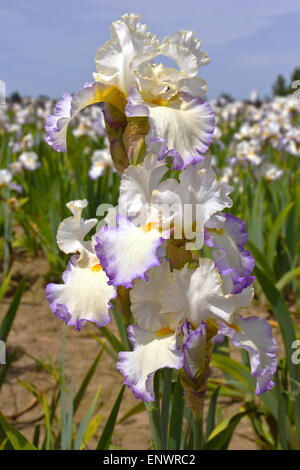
<point>38,332</point>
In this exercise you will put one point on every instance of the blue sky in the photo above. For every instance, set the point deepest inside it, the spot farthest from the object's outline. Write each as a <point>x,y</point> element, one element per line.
<point>48,47</point>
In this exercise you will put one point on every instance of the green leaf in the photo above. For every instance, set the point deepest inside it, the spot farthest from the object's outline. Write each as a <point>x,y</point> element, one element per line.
<point>111,338</point>
<point>260,259</point>
<point>237,370</point>
<point>69,427</point>
<point>255,229</point>
<point>291,233</point>
<point>64,443</point>
<point>273,237</point>
<point>17,440</point>
<point>49,440</point>
<point>221,435</point>
<point>176,419</point>
<point>122,329</point>
<point>36,435</point>
<point>11,312</point>
<point>139,408</point>
<point>165,405</point>
<point>86,420</point>
<point>108,430</point>
<point>5,367</point>
<point>282,410</point>
<point>287,278</point>
<point>210,423</point>
<point>91,429</point>
<point>88,377</point>
<point>5,285</point>
<point>110,351</point>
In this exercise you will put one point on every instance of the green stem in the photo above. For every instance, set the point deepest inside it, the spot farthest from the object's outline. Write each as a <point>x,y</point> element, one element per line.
<point>198,433</point>
<point>153,409</point>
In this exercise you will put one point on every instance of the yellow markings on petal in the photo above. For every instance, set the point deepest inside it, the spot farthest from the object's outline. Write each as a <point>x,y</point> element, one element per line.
<point>234,327</point>
<point>111,95</point>
<point>164,332</point>
<point>219,232</point>
<point>160,102</point>
<point>149,226</point>
<point>211,328</point>
<point>96,268</point>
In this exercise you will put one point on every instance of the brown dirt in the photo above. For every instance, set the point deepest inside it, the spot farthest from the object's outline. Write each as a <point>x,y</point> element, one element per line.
<point>38,332</point>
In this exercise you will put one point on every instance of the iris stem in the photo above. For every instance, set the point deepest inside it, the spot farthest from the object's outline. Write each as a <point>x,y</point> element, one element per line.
<point>153,409</point>
<point>198,433</point>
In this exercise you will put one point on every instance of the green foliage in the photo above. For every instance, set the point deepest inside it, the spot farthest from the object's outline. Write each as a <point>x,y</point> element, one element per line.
<point>279,87</point>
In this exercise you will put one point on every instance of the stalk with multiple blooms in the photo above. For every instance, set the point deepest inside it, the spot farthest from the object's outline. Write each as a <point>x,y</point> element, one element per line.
<point>154,243</point>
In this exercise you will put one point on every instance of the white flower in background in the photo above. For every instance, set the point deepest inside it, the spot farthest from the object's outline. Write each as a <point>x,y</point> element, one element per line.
<point>217,134</point>
<point>101,159</point>
<point>271,128</point>
<point>29,161</point>
<point>13,127</point>
<point>254,96</point>
<point>6,181</point>
<point>291,141</point>
<point>269,172</point>
<point>249,151</point>
<point>248,131</point>
<point>5,177</point>
<point>227,175</point>
<point>83,128</point>
<point>245,132</point>
<point>16,167</point>
<point>27,141</point>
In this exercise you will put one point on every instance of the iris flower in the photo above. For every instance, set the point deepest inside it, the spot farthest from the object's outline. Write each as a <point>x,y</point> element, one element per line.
<point>182,124</point>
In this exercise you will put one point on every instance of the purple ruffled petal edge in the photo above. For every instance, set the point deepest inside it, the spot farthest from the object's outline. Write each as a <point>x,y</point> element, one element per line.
<point>137,107</point>
<point>106,260</point>
<point>122,369</point>
<point>241,278</point>
<point>61,310</point>
<point>264,376</point>
<point>56,121</point>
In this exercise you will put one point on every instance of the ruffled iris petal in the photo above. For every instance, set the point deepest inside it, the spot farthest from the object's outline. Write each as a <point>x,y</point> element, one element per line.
<point>144,298</point>
<point>255,335</point>
<point>84,296</point>
<point>184,126</point>
<point>127,251</point>
<point>150,353</point>
<point>57,124</point>
<point>138,183</point>
<point>234,261</point>
<point>198,295</point>
<point>128,39</point>
<point>68,107</point>
<point>194,199</point>
<point>72,231</point>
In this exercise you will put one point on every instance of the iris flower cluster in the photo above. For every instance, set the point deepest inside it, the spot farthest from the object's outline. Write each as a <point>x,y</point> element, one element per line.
<point>170,242</point>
